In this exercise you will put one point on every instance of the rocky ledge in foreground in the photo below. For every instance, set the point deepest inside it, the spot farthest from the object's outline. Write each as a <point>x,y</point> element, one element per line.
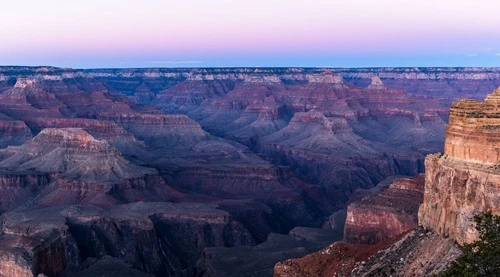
<point>465,180</point>
<point>388,214</point>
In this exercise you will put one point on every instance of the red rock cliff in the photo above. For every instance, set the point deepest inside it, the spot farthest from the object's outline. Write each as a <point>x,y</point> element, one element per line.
<point>386,215</point>
<point>465,180</point>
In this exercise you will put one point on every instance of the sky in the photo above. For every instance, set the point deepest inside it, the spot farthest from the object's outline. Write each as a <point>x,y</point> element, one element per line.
<point>236,33</point>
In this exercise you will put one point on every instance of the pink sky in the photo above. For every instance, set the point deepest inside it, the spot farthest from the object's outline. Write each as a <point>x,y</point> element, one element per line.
<point>69,31</point>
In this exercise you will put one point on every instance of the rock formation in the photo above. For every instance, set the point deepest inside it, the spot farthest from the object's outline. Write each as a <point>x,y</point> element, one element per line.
<point>24,86</point>
<point>376,83</point>
<point>388,214</point>
<point>464,181</point>
<point>74,154</point>
<point>472,130</point>
<point>418,253</point>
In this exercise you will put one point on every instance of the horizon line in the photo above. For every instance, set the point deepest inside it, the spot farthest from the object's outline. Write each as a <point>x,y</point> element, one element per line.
<point>240,67</point>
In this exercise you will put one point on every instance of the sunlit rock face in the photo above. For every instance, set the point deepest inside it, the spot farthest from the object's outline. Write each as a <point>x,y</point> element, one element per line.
<point>464,181</point>
<point>473,131</point>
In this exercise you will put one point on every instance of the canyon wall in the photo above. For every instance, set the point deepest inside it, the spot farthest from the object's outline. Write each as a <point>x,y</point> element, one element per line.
<point>392,212</point>
<point>465,180</point>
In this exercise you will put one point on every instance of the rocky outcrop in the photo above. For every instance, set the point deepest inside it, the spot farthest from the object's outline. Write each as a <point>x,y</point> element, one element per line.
<point>464,180</point>
<point>73,153</point>
<point>455,191</point>
<point>390,213</point>
<point>419,253</point>
<point>110,131</point>
<point>24,86</point>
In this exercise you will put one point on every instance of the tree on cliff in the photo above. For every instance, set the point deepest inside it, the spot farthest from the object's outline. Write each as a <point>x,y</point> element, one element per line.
<point>481,258</point>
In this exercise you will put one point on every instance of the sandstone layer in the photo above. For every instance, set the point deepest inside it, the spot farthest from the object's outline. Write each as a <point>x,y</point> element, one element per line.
<point>465,180</point>
<point>392,212</point>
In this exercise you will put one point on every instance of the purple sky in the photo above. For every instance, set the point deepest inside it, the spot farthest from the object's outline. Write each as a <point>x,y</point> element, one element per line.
<point>201,33</point>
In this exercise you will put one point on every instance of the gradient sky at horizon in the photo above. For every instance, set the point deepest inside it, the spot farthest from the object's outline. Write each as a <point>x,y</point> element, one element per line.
<point>204,33</point>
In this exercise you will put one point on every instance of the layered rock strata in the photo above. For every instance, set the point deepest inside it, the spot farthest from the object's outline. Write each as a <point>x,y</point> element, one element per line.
<point>78,169</point>
<point>388,214</point>
<point>465,180</point>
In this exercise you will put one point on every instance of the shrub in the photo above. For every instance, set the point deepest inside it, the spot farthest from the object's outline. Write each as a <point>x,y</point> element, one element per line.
<point>480,258</point>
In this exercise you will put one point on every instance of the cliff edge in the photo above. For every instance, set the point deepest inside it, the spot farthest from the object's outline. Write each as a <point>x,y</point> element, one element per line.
<point>465,180</point>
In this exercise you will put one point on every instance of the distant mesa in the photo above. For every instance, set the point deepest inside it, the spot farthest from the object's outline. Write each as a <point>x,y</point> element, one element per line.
<point>24,86</point>
<point>24,83</point>
<point>262,79</point>
<point>376,83</point>
<point>327,78</point>
<point>65,136</point>
<point>74,153</point>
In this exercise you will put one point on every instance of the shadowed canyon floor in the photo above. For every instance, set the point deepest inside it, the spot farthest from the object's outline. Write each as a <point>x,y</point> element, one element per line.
<point>181,172</point>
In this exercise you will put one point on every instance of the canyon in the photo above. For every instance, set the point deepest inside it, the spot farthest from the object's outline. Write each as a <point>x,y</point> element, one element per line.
<point>182,172</point>
<point>381,236</point>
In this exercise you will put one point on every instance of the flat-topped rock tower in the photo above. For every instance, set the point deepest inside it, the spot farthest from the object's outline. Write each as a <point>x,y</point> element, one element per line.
<point>473,132</point>
<point>465,180</point>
